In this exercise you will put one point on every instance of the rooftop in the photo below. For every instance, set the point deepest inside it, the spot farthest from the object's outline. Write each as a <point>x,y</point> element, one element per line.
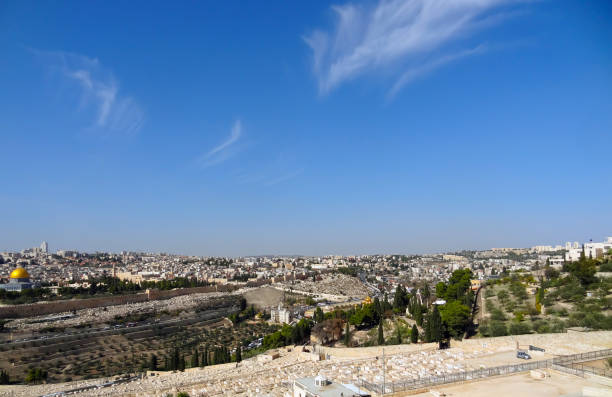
<point>330,389</point>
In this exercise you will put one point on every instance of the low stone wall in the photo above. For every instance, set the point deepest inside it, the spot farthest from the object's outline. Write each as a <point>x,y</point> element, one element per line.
<point>566,343</point>
<point>367,352</point>
<point>40,309</point>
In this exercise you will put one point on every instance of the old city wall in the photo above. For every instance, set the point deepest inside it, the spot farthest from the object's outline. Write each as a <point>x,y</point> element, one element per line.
<point>40,309</point>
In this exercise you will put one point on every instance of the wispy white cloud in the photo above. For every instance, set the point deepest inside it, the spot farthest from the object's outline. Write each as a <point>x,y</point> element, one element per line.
<point>99,89</point>
<point>415,72</point>
<point>285,177</point>
<point>403,34</point>
<point>223,151</point>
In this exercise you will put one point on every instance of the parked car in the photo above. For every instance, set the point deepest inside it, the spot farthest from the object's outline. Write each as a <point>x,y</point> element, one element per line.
<point>523,355</point>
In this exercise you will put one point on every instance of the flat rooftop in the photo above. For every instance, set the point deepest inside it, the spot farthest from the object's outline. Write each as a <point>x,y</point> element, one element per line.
<point>332,389</point>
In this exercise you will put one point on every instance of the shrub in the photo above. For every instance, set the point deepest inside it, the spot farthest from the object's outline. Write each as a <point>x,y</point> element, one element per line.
<point>557,325</point>
<point>484,328</point>
<point>497,315</point>
<point>498,328</point>
<point>519,316</point>
<point>541,327</point>
<point>519,328</point>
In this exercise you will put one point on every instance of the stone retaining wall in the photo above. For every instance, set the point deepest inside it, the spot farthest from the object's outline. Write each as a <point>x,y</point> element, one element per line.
<point>339,353</point>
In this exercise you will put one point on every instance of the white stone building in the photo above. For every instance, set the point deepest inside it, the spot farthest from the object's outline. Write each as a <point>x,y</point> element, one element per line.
<point>280,315</point>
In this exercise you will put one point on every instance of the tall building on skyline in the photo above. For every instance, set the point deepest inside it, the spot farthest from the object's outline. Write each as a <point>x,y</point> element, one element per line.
<point>44,247</point>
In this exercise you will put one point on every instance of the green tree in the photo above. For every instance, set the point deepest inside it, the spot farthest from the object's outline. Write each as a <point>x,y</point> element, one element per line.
<point>426,294</point>
<point>399,299</point>
<point>398,335</point>
<point>418,314</point>
<point>551,273</point>
<point>195,359</point>
<point>540,295</point>
<point>378,307</point>
<point>36,375</point>
<point>4,378</point>
<point>204,360</point>
<point>456,318</point>
<point>153,364</point>
<point>519,328</point>
<point>319,317</point>
<point>364,316</point>
<point>503,296</point>
<point>238,354</point>
<point>584,270</point>
<point>414,334</point>
<point>381,336</point>
<point>456,288</point>
<point>427,333</point>
<point>385,304</point>
<point>498,328</point>
<point>435,325</point>
<point>347,335</point>
<point>181,363</point>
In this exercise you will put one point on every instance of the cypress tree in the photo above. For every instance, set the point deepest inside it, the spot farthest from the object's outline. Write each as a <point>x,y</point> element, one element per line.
<point>204,360</point>
<point>238,354</point>
<point>347,335</point>
<point>436,325</point>
<point>427,335</point>
<point>174,364</point>
<point>195,359</point>
<point>4,378</point>
<point>181,363</point>
<point>426,294</point>
<point>377,307</point>
<point>153,365</point>
<point>381,336</point>
<point>414,335</point>
<point>398,298</point>
<point>386,304</point>
<point>398,335</point>
<point>418,314</point>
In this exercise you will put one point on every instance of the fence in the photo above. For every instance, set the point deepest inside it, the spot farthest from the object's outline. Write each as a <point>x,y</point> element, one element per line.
<point>573,364</point>
<point>581,357</point>
<point>563,363</point>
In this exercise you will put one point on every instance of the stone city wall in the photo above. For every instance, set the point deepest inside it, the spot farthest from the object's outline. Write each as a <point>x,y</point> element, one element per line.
<point>39,309</point>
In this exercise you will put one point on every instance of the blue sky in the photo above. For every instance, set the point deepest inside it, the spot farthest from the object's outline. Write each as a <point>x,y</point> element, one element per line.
<point>330,128</point>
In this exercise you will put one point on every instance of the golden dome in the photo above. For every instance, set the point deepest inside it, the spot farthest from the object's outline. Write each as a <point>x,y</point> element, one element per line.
<point>20,272</point>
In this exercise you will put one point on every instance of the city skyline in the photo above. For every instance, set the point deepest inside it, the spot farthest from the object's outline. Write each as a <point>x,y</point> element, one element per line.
<point>571,247</point>
<point>332,129</point>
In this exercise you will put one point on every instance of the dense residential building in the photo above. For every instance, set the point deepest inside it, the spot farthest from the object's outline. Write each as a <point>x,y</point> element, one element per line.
<point>590,249</point>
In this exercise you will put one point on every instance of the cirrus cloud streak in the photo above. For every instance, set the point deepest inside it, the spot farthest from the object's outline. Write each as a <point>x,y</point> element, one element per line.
<point>413,35</point>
